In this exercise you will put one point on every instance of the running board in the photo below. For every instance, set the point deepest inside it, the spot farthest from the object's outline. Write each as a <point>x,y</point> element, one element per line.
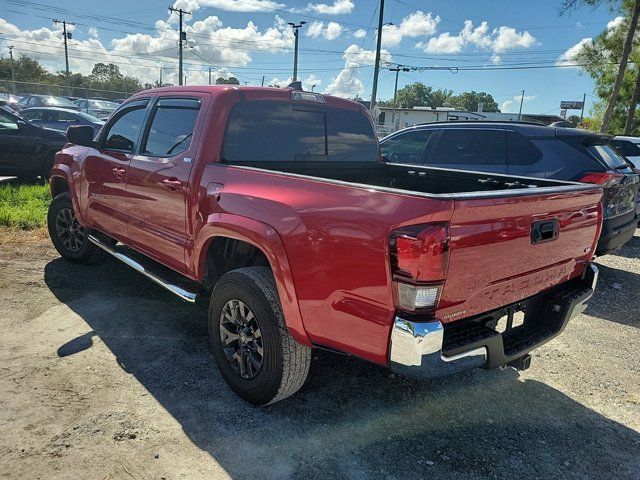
<point>170,285</point>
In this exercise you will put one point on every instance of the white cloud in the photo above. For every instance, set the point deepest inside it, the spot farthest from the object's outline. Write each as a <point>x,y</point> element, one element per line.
<point>348,83</point>
<point>508,38</point>
<point>93,32</point>
<point>307,83</point>
<point>417,24</point>
<point>330,32</point>
<point>498,40</point>
<point>495,59</point>
<point>443,43</point>
<point>141,55</point>
<point>512,106</point>
<point>360,33</point>
<point>339,7</point>
<point>569,57</point>
<point>615,23</point>
<point>230,5</point>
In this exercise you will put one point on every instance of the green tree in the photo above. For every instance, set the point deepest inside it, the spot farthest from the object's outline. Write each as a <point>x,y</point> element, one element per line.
<point>469,101</point>
<point>601,58</point>
<point>227,81</point>
<point>420,95</point>
<point>632,10</point>
<point>108,77</point>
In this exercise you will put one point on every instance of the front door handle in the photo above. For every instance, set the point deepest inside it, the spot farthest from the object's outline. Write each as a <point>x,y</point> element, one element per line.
<point>172,183</point>
<point>119,172</point>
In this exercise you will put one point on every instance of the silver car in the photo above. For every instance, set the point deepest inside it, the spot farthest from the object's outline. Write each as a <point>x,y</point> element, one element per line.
<point>98,108</point>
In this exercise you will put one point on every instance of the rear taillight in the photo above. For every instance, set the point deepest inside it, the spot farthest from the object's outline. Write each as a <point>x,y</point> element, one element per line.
<point>606,179</point>
<point>419,262</point>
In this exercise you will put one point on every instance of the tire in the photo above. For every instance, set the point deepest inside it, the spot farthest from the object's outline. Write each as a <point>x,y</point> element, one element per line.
<point>284,363</point>
<point>69,237</point>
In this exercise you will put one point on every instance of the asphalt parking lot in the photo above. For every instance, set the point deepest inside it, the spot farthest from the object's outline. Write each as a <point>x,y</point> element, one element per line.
<point>103,375</point>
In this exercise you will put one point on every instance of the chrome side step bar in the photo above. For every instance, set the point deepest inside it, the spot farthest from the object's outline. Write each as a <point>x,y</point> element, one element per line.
<point>137,266</point>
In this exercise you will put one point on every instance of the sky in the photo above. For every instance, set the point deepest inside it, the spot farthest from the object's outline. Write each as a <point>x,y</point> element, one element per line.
<point>479,45</point>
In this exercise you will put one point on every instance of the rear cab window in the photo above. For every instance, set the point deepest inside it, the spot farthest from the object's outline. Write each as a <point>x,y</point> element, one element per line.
<point>287,131</point>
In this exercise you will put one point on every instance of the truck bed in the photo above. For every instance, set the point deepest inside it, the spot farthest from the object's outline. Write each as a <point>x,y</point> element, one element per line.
<point>417,179</point>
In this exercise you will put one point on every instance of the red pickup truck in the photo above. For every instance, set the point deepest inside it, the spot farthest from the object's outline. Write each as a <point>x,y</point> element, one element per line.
<point>276,204</point>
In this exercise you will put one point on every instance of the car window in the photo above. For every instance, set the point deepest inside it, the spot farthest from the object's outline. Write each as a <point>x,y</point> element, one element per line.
<point>7,122</point>
<point>608,155</point>
<point>123,132</point>
<point>264,131</point>
<point>562,161</point>
<point>32,114</point>
<point>409,147</point>
<point>32,100</point>
<point>521,151</point>
<point>66,116</point>
<point>171,127</point>
<point>626,148</point>
<point>470,147</point>
<point>23,101</point>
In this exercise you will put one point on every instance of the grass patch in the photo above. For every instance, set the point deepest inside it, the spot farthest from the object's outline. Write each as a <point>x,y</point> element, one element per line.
<point>24,206</point>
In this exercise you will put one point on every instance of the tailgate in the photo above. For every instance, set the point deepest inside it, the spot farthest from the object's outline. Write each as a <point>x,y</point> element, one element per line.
<point>503,250</point>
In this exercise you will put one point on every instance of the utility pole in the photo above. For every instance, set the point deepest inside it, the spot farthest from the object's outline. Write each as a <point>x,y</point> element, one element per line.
<point>67,36</point>
<point>397,69</point>
<point>262,83</point>
<point>209,75</point>
<point>160,83</point>
<point>584,99</point>
<point>182,38</point>
<point>521,102</point>
<point>13,77</point>
<point>295,27</point>
<point>376,67</point>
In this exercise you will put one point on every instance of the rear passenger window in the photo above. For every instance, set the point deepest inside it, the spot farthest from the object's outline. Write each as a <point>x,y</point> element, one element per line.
<point>470,147</point>
<point>409,147</point>
<point>273,131</point>
<point>171,129</point>
<point>521,151</point>
<point>122,134</point>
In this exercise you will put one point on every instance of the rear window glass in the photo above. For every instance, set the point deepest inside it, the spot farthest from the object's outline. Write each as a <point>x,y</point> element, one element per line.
<point>626,148</point>
<point>608,155</point>
<point>470,147</point>
<point>272,131</point>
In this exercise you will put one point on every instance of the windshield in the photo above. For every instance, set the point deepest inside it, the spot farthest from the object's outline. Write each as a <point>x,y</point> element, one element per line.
<point>59,102</point>
<point>626,148</point>
<point>103,104</point>
<point>608,155</point>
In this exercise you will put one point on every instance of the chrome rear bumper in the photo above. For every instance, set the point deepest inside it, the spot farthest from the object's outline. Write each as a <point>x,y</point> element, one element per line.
<point>416,351</point>
<point>417,347</point>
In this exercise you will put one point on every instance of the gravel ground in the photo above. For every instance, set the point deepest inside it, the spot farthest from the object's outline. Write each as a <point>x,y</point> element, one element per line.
<point>103,375</point>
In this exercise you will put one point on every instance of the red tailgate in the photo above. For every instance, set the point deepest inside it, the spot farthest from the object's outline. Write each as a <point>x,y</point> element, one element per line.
<point>494,260</point>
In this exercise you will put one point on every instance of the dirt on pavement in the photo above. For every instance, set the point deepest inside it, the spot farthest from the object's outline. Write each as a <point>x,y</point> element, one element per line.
<point>105,375</point>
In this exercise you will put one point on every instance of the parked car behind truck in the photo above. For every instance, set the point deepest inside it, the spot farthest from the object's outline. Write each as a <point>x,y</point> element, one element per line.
<point>275,204</point>
<point>529,150</point>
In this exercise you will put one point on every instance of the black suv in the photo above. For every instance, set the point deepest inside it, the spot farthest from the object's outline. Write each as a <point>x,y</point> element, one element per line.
<point>528,150</point>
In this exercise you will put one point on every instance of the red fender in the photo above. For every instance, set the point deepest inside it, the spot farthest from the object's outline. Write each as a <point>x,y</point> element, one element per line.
<point>267,240</point>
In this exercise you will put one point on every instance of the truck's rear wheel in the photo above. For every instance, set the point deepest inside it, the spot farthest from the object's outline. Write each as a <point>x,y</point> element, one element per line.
<point>68,236</point>
<point>254,351</point>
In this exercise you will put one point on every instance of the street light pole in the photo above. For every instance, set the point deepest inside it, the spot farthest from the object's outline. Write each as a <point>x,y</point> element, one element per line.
<point>295,27</point>
<point>397,69</point>
<point>182,38</point>
<point>376,67</point>
<point>13,77</point>
<point>67,36</point>
<point>521,102</point>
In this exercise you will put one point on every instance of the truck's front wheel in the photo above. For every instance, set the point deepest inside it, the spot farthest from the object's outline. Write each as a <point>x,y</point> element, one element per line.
<point>67,235</point>
<point>254,351</point>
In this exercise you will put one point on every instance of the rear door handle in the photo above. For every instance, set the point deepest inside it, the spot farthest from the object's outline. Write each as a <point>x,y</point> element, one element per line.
<point>119,172</point>
<point>172,184</point>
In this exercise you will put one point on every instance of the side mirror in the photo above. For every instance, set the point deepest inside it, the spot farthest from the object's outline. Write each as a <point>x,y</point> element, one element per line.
<point>21,124</point>
<point>81,135</point>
